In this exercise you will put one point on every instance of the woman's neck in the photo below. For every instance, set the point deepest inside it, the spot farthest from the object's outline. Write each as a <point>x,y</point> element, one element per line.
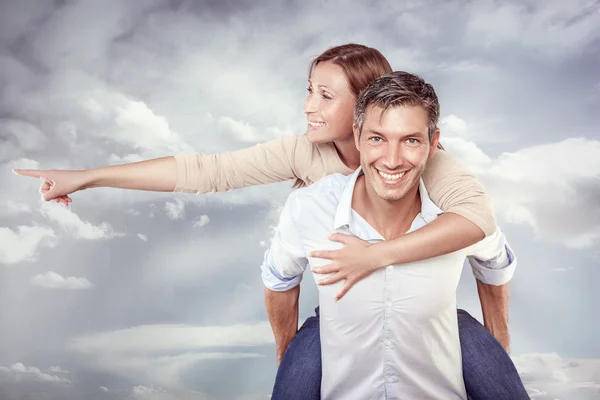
<point>348,152</point>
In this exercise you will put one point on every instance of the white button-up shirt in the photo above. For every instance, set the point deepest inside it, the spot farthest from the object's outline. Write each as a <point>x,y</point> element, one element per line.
<point>394,335</point>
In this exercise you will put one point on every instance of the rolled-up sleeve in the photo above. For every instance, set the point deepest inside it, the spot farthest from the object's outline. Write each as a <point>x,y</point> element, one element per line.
<point>285,261</point>
<point>492,260</point>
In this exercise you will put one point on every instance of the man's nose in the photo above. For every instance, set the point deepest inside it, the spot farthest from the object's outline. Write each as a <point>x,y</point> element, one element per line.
<point>393,156</point>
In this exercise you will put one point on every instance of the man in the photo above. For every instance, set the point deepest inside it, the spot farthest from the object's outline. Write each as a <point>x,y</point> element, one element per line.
<point>395,333</point>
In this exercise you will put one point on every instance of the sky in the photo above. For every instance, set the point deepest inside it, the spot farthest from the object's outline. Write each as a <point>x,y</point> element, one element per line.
<point>157,296</point>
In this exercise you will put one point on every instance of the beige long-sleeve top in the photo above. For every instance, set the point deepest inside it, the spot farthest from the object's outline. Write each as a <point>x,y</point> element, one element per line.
<point>451,187</point>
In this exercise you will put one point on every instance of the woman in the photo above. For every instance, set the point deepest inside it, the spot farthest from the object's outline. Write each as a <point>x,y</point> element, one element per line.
<point>336,78</point>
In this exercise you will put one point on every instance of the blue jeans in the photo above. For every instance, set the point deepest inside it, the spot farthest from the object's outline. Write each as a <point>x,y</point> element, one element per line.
<point>488,371</point>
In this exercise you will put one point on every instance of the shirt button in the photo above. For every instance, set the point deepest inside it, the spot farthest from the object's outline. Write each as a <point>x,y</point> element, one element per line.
<point>389,304</point>
<point>390,379</point>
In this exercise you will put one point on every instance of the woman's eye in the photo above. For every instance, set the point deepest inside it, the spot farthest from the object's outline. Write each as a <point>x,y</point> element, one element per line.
<point>327,97</point>
<point>309,89</point>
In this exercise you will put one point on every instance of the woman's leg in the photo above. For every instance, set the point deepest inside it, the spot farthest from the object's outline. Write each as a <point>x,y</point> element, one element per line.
<point>488,371</point>
<point>299,374</point>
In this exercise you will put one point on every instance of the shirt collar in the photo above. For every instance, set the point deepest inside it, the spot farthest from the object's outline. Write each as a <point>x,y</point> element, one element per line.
<point>343,214</point>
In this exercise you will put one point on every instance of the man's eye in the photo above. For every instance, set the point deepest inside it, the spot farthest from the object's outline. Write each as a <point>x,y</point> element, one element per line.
<point>412,141</point>
<point>376,139</point>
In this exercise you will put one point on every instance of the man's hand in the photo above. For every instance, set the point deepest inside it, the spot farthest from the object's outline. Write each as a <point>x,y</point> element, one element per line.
<point>353,262</point>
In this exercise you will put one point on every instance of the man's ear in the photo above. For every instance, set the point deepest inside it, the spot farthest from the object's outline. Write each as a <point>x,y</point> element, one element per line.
<point>434,142</point>
<point>356,136</point>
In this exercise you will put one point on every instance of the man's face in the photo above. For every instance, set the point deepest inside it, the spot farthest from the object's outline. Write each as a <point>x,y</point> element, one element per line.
<point>394,149</point>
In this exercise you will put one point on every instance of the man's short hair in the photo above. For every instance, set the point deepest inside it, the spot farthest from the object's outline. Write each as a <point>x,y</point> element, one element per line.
<point>398,89</point>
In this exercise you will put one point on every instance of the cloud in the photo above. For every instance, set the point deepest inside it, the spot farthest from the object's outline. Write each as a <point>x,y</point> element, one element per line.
<point>176,209</point>
<point>17,208</point>
<point>162,353</point>
<point>20,371</point>
<point>23,244</point>
<point>157,393</point>
<point>57,369</point>
<point>201,221</point>
<point>554,28</point>
<point>551,187</point>
<point>71,223</point>
<point>549,376</point>
<point>142,237</point>
<point>52,280</point>
<point>454,124</point>
<point>26,135</point>
<point>148,338</point>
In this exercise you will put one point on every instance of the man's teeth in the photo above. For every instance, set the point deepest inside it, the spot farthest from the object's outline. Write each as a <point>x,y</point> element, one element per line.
<point>389,177</point>
<point>316,124</point>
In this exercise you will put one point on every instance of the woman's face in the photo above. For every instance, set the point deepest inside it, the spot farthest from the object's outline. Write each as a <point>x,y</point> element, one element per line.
<point>329,106</point>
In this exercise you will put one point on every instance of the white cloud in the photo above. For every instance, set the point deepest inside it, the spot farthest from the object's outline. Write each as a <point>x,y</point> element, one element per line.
<point>162,353</point>
<point>554,28</point>
<point>201,221</point>
<point>20,371</point>
<point>549,376</point>
<point>242,131</point>
<point>141,392</point>
<point>453,124</point>
<point>23,244</point>
<point>552,187</point>
<point>103,389</point>
<point>71,223</point>
<point>52,280</point>
<point>17,208</point>
<point>142,237</point>
<point>57,369</point>
<point>175,209</point>
<point>147,338</point>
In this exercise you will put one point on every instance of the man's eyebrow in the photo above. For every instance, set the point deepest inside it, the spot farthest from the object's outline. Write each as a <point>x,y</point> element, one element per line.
<point>404,135</point>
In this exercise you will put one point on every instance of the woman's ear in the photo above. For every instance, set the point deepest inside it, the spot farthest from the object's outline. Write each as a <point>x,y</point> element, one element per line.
<point>356,136</point>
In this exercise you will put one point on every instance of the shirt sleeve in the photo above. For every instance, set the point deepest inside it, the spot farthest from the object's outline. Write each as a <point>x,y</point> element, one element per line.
<point>453,189</point>
<point>285,261</point>
<point>278,160</point>
<point>492,259</point>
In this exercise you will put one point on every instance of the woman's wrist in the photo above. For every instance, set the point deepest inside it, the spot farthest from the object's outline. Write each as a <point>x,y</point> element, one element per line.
<point>382,254</point>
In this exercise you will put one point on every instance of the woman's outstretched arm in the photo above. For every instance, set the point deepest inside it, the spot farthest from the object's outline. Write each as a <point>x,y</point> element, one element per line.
<point>275,161</point>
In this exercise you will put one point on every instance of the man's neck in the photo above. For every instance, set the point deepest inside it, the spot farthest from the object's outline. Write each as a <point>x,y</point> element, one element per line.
<point>390,219</point>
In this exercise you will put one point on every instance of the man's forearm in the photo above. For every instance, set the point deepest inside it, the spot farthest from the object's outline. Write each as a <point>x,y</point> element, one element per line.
<point>282,309</point>
<point>494,306</point>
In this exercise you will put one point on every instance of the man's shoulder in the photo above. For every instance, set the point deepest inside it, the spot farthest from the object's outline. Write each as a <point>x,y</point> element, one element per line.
<point>326,190</point>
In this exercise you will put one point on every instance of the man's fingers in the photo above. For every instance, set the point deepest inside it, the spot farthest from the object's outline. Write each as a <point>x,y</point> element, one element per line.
<point>34,173</point>
<point>331,279</point>
<point>326,269</point>
<point>327,254</point>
